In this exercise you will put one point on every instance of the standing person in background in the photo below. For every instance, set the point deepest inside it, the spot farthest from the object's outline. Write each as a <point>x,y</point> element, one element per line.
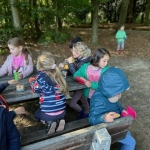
<point>121,36</point>
<point>18,61</point>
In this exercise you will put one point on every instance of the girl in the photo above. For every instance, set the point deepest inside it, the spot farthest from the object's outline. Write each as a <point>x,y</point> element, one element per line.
<point>120,36</point>
<point>81,54</point>
<point>51,86</point>
<point>19,60</point>
<point>90,72</point>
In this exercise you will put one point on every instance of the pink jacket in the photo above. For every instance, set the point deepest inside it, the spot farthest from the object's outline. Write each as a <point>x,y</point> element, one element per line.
<point>7,67</point>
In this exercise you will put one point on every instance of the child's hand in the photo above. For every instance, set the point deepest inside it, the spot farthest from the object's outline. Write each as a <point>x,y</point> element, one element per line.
<point>20,110</point>
<point>69,60</point>
<point>125,111</point>
<point>12,82</point>
<point>20,76</point>
<point>109,117</point>
<point>88,83</point>
<point>61,65</point>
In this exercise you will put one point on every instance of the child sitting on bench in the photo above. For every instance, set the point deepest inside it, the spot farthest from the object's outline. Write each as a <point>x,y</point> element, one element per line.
<point>52,87</point>
<point>105,106</point>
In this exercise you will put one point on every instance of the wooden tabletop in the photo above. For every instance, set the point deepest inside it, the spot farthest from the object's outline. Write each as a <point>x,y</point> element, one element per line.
<point>12,96</point>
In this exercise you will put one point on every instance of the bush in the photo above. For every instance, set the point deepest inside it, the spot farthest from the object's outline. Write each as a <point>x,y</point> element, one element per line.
<point>51,37</point>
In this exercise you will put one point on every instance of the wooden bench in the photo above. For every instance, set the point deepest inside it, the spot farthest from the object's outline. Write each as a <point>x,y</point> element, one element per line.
<point>12,96</point>
<point>117,130</point>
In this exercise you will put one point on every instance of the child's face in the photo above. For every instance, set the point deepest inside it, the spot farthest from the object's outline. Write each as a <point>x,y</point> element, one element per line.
<point>75,54</point>
<point>115,98</point>
<point>16,51</point>
<point>103,61</point>
<point>122,28</point>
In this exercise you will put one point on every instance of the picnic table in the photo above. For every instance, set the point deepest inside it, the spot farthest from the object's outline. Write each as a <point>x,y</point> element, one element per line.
<point>12,96</point>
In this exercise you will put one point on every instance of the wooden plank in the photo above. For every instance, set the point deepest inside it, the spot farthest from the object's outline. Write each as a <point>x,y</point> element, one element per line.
<point>41,135</point>
<point>120,126</point>
<point>12,96</point>
<point>80,138</point>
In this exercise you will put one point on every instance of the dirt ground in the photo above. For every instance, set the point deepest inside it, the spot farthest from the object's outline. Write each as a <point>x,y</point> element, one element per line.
<point>135,62</point>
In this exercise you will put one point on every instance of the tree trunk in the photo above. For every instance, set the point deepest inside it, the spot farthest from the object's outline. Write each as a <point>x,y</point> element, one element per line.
<point>123,12</point>
<point>15,15</point>
<point>130,18</point>
<point>147,12</point>
<point>95,21</point>
<point>38,31</point>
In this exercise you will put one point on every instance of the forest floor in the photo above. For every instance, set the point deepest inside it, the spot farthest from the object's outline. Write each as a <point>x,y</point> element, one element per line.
<point>135,62</point>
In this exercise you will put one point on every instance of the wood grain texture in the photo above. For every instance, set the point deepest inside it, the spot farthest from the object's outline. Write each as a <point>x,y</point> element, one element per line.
<point>12,96</point>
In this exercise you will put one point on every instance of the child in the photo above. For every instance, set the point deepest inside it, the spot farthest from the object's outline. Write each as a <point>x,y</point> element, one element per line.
<point>52,87</point>
<point>104,102</point>
<point>90,72</point>
<point>19,60</point>
<point>9,135</point>
<point>81,54</point>
<point>121,36</point>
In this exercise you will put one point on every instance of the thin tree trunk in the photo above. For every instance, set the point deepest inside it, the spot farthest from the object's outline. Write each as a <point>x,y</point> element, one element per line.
<point>95,22</point>
<point>15,14</point>
<point>130,12</point>
<point>38,31</point>
<point>147,12</point>
<point>123,12</point>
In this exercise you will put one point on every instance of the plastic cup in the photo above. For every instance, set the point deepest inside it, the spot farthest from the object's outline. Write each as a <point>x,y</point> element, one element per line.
<point>16,76</point>
<point>66,66</point>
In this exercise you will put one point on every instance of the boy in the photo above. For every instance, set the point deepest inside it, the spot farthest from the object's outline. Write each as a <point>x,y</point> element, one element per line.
<point>104,103</point>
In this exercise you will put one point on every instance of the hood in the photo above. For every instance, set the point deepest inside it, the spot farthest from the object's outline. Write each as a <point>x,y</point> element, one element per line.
<point>113,82</point>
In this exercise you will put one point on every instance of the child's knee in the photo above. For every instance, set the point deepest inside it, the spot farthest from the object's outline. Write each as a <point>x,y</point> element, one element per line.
<point>71,105</point>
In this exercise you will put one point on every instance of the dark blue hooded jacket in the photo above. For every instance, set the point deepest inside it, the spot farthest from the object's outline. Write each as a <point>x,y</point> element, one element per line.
<point>112,82</point>
<point>9,135</point>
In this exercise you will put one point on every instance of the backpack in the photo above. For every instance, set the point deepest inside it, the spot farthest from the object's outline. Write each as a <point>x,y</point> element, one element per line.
<point>3,102</point>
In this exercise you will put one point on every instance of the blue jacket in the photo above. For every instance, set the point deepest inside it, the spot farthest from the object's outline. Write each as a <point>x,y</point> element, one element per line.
<point>3,86</point>
<point>50,99</point>
<point>9,135</point>
<point>112,82</point>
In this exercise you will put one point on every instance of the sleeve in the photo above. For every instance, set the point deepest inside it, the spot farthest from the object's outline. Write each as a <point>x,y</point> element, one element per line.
<point>125,35</point>
<point>29,68</point>
<point>94,85</point>
<point>3,86</point>
<point>72,68</point>
<point>12,134</point>
<point>35,86</point>
<point>99,117</point>
<point>117,35</point>
<point>79,73</point>
<point>4,68</point>
<point>121,108</point>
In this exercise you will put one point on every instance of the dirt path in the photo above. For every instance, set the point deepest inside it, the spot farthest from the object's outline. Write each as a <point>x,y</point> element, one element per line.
<point>138,73</point>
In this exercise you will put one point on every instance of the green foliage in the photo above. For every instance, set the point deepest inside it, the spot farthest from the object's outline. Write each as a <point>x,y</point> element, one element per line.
<point>6,34</point>
<point>51,37</point>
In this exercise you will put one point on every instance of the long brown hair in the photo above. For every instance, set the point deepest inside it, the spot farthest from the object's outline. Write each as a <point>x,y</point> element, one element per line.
<point>19,42</point>
<point>45,61</point>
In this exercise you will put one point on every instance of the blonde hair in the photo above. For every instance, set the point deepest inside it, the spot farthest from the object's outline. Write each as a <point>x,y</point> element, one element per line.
<point>19,42</point>
<point>82,49</point>
<point>45,61</point>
